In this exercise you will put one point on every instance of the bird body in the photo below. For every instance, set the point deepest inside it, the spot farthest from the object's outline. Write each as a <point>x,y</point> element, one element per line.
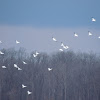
<point>19,68</point>
<point>65,47</point>
<point>15,65</point>
<point>37,53</point>
<point>1,53</point>
<point>49,69</point>
<point>34,55</point>
<point>28,92</point>
<point>62,44</point>
<point>24,62</point>
<point>4,67</point>
<point>54,39</point>
<point>93,19</point>
<point>23,86</point>
<point>75,34</point>
<point>17,42</point>
<point>89,33</point>
<point>60,49</point>
<point>99,37</point>
<point>0,42</point>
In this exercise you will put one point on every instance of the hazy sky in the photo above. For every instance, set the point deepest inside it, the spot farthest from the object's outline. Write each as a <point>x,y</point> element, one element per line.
<point>34,22</point>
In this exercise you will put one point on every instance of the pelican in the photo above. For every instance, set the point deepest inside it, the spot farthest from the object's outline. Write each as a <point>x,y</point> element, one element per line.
<point>54,39</point>
<point>49,69</point>
<point>76,35</point>
<point>28,92</point>
<point>1,53</point>
<point>4,67</point>
<point>93,19</point>
<point>17,42</point>
<point>23,86</point>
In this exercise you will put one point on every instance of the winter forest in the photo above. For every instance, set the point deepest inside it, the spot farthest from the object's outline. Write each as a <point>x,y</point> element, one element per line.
<point>56,76</point>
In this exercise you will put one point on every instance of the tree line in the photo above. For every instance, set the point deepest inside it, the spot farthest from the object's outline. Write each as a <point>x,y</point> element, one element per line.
<point>74,76</point>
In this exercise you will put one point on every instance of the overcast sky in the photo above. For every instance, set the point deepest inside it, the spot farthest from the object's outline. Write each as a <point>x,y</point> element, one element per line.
<point>34,22</point>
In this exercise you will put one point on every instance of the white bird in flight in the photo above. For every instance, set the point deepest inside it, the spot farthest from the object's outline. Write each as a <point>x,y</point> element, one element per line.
<point>34,55</point>
<point>89,33</point>
<point>24,62</point>
<point>93,19</point>
<point>99,37</point>
<point>0,42</point>
<point>54,39</point>
<point>75,34</point>
<point>65,47</point>
<point>28,92</point>
<point>23,86</point>
<point>60,49</point>
<point>4,67</point>
<point>62,44</point>
<point>15,65</point>
<point>49,69</point>
<point>17,42</point>
<point>19,68</point>
<point>1,53</point>
<point>37,53</point>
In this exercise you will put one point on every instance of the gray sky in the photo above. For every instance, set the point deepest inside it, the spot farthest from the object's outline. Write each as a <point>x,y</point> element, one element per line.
<point>40,39</point>
<point>34,22</point>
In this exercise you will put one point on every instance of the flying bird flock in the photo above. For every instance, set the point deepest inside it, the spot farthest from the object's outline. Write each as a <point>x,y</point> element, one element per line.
<point>63,47</point>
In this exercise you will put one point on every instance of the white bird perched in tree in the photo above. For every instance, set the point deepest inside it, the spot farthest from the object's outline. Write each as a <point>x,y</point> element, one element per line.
<point>24,62</point>
<point>54,39</point>
<point>89,33</point>
<point>4,67</point>
<point>15,65</point>
<point>99,37</point>
<point>60,49</point>
<point>75,34</point>
<point>93,19</point>
<point>28,92</point>
<point>17,42</point>
<point>23,86</point>
<point>19,68</point>
<point>49,69</point>
<point>1,53</point>
<point>0,42</point>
